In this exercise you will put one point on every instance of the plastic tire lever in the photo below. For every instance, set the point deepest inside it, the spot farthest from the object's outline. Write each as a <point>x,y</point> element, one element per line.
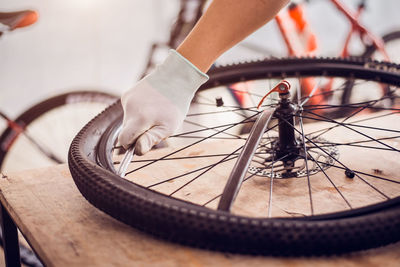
<point>126,160</point>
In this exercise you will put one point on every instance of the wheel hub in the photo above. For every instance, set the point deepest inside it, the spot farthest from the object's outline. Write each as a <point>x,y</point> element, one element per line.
<point>288,156</point>
<point>266,162</point>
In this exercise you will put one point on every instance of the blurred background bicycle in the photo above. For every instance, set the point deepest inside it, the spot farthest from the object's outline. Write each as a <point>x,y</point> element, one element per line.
<point>103,44</point>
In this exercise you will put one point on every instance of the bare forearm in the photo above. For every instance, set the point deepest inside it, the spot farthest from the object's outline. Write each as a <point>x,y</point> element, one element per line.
<point>224,24</point>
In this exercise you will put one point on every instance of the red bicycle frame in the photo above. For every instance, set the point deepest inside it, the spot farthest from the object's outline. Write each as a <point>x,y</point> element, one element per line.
<point>356,26</point>
<point>309,47</point>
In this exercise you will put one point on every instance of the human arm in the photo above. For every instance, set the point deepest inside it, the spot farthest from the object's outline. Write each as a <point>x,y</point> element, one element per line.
<point>224,24</point>
<point>156,106</point>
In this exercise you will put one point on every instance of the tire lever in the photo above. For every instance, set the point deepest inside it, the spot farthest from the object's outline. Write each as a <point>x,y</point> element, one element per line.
<point>126,160</point>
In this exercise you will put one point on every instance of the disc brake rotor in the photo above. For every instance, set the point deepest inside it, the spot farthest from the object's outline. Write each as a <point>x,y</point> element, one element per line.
<point>265,164</point>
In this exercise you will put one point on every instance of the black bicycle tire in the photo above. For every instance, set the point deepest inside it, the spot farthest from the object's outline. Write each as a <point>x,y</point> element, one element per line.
<point>159,215</point>
<point>368,54</point>
<point>30,115</point>
<point>393,35</point>
<point>41,108</point>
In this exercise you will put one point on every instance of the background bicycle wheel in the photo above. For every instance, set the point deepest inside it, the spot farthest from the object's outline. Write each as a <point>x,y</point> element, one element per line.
<point>75,43</point>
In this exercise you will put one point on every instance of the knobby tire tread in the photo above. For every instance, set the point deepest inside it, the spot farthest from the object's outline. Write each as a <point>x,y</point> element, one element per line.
<point>189,224</point>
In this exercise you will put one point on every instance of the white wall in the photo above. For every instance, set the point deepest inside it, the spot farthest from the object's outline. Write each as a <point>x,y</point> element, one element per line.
<point>78,44</point>
<point>104,43</point>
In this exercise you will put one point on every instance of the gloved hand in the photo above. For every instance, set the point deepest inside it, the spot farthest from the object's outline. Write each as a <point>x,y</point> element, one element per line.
<point>157,105</point>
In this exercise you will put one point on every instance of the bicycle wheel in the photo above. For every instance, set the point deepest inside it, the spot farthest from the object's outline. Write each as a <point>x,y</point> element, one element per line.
<point>392,45</point>
<point>51,124</point>
<point>334,189</point>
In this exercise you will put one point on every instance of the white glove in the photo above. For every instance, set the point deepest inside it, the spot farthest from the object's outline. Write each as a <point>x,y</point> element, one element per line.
<point>157,105</point>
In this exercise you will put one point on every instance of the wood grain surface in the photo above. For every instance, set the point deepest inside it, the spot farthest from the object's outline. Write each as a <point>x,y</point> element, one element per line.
<point>66,230</point>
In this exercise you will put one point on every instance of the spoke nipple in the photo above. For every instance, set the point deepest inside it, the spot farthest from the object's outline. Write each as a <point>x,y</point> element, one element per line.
<point>219,102</point>
<point>349,173</point>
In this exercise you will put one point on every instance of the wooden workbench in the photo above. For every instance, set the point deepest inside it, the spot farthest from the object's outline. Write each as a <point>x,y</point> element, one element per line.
<point>65,230</point>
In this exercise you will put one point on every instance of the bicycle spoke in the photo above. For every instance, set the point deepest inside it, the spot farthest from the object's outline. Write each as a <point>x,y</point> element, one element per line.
<point>247,178</point>
<point>205,127</point>
<point>311,93</point>
<point>354,144</point>
<point>369,137</point>
<point>330,180</point>
<point>361,120</point>
<point>304,144</point>
<point>325,107</point>
<point>180,158</point>
<point>308,143</point>
<point>353,106</point>
<point>226,158</point>
<point>351,124</point>
<point>246,92</point>
<point>340,88</point>
<point>190,145</point>
<point>221,111</point>
<point>206,170</point>
<point>362,173</point>
<point>195,174</point>
<point>327,153</point>
<point>227,106</point>
<point>217,196</point>
<point>271,184</point>
<point>251,96</point>
<point>308,172</point>
<point>212,128</point>
<point>211,138</point>
<point>352,114</point>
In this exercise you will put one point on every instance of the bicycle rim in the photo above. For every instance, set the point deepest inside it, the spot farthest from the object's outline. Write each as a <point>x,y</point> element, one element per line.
<point>173,193</point>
